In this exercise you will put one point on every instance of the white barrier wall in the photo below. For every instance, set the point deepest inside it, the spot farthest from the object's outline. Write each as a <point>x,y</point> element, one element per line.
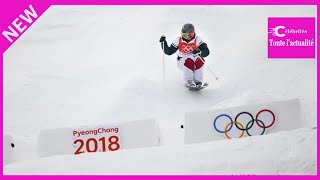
<point>67,141</point>
<point>7,149</point>
<point>218,124</point>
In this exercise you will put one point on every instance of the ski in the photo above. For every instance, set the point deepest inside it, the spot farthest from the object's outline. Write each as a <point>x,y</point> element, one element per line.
<point>195,88</point>
<point>204,85</point>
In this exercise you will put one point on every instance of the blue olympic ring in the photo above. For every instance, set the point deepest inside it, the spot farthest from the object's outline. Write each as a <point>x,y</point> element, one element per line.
<point>214,122</point>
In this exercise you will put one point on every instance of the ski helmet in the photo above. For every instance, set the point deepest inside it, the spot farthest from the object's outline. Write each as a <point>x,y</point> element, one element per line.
<point>187,28</point>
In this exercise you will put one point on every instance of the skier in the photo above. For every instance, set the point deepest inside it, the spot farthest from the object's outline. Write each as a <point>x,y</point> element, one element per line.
<point>192,51</point>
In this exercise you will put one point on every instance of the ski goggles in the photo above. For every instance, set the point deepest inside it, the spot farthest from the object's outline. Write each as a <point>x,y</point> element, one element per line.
<point>187,35</point>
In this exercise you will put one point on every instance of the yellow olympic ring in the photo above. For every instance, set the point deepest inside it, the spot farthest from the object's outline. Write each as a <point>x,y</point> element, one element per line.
<point>226,129</point>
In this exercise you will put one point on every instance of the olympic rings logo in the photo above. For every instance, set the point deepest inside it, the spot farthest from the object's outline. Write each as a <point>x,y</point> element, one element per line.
<point>248,126</point>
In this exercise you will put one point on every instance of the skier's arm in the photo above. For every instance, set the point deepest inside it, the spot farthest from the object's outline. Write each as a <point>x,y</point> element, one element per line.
<point>164,45</point>
<point>204,50</point>
<point>168,50</point>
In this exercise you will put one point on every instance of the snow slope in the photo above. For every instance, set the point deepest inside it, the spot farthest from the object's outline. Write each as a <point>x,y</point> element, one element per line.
<point>221,157</point>
<point>85,65</point>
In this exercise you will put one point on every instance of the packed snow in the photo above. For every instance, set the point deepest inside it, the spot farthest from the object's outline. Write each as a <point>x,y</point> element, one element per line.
<point>87,65</point>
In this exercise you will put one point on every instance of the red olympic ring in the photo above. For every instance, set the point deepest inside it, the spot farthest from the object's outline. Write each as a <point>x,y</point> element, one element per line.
<point>273,118</point>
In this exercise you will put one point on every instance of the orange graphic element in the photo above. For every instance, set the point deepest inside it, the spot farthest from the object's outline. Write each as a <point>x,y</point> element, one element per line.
<point>185,47</point>
<point>238,123</point>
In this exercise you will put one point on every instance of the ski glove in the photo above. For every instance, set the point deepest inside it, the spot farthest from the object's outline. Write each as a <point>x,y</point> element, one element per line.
<point>162,39</point>
<point>196,51</point>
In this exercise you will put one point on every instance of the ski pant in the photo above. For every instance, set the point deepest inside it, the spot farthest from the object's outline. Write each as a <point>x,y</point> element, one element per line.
<point>192,67</point>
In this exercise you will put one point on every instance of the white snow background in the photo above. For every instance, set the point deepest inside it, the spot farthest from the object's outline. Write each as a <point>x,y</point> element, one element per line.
<point>88,65</point>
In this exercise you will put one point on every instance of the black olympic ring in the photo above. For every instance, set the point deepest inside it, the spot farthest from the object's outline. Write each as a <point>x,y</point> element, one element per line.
<point>235,120</point>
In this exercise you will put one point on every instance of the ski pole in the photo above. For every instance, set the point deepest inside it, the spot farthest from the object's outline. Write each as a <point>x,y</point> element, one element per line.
<point>163,67</point>
<point>208,67</point>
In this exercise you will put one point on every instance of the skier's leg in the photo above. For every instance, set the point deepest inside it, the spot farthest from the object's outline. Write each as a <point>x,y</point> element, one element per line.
<point>187,66</point>
<point>199,69</point>
<point>180,64</point>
